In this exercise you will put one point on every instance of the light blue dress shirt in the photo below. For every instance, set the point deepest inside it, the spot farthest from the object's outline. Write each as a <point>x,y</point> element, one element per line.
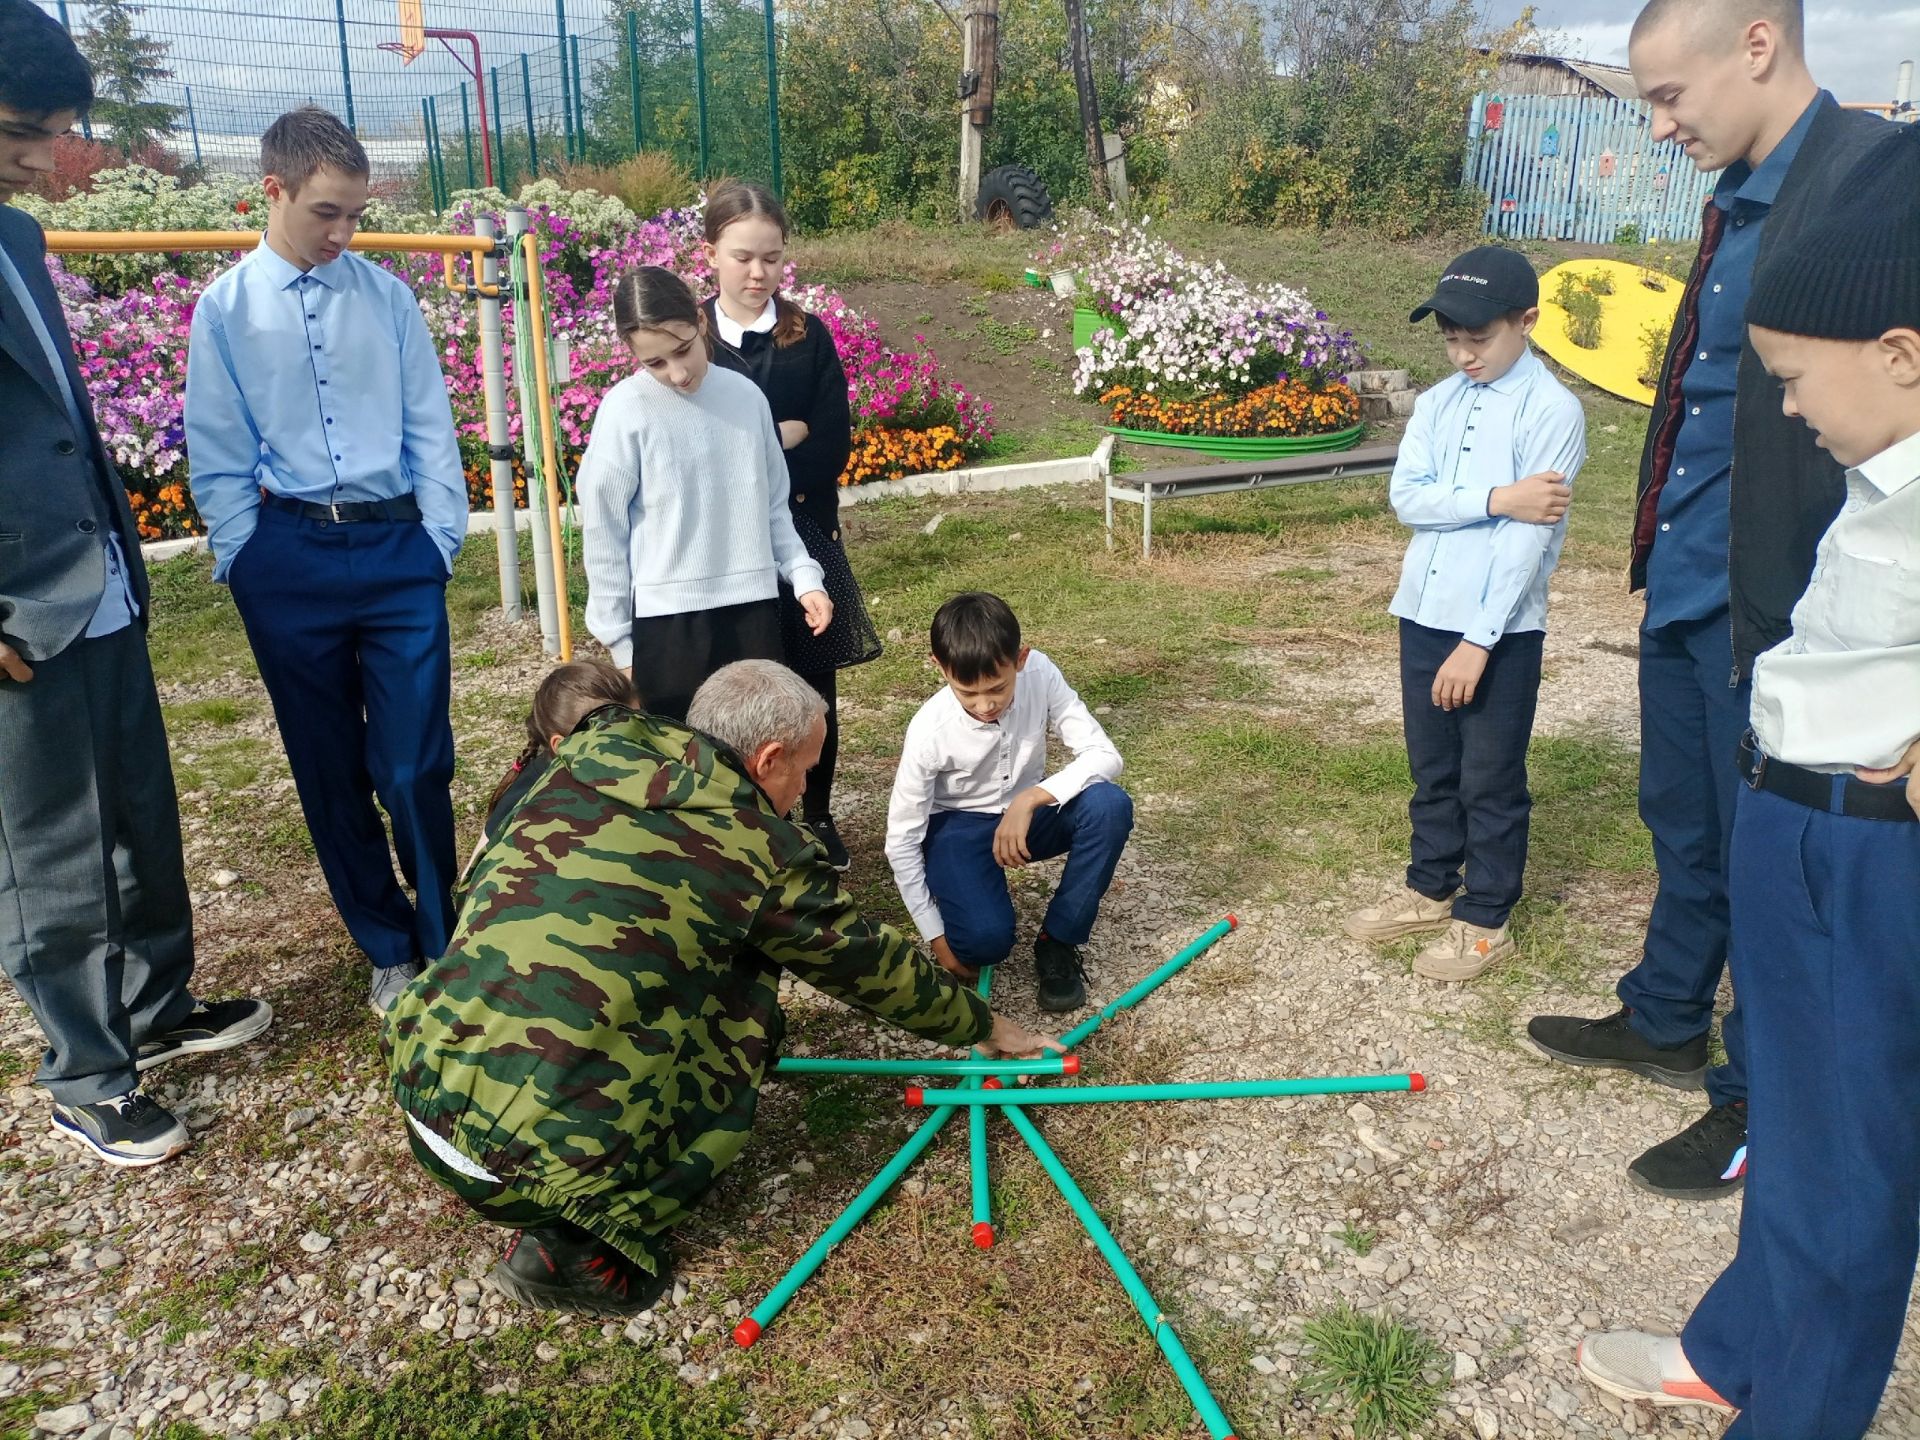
<point>1466,572</point>
<point>117,606</point>
<point>322,386</point>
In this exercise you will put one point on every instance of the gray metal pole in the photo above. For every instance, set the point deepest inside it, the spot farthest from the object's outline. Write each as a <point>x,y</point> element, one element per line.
<point>493,371</point>
<point>543,584</point>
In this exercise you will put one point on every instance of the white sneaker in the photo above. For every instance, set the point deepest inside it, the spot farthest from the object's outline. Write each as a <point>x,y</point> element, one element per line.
<point>1462,952</point>
<point>1634,1365</point>
<point>388,981</point>
<point>1408,913</point>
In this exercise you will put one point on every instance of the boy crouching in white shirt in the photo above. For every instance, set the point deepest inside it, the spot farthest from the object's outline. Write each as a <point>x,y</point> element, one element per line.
<point>972,799</point>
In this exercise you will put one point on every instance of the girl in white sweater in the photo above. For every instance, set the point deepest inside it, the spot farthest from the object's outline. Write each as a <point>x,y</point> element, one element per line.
<point>683,493</point>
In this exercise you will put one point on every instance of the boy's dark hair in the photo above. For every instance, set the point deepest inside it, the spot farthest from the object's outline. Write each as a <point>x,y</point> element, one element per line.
<point>303,142</point>
<point>975,635</point>
<point>41,69</point>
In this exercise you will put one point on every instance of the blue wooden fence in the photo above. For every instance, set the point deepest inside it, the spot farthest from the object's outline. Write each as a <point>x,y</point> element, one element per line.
<point>1582,168</point>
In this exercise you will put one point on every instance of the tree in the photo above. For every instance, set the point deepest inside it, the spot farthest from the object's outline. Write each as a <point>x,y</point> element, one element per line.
<point>126,65</point>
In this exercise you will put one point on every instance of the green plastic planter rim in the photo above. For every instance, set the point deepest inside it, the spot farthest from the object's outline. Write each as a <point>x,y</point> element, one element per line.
<point>1247,447</point>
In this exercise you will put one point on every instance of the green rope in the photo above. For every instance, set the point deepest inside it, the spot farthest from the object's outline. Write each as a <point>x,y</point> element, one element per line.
<point>532,435</point>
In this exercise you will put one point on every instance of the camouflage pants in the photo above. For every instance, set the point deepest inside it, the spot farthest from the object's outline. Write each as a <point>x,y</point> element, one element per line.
<point>499,1203</point>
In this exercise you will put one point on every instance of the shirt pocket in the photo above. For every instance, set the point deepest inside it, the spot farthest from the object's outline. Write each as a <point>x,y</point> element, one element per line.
<point>1872,598</point>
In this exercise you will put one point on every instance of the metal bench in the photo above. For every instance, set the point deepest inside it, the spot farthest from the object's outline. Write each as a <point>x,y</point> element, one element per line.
<point>1146,487</point>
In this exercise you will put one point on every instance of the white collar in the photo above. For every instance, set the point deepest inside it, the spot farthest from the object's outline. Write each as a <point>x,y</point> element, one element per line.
<point>733,332</point>
<point>1894,468</point>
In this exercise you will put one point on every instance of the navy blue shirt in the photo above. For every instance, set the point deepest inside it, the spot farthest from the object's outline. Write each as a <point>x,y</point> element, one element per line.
<point>1687,571</point>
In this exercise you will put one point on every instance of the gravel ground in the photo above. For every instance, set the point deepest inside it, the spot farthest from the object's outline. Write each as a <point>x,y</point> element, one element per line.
<point>1503,1224</point>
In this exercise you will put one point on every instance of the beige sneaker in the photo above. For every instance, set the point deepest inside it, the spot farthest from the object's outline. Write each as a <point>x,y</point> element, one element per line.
<point>1463,952</point>
<point>1408,913</point>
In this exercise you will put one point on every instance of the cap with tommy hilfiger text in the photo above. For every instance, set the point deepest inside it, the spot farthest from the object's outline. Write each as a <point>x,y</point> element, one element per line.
<point>1481,286</point>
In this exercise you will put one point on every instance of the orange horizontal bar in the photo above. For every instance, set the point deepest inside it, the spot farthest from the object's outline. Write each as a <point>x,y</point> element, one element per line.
<point>130,242</point>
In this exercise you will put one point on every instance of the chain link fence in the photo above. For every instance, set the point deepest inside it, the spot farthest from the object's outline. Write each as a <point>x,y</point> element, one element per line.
<point>559,82</point>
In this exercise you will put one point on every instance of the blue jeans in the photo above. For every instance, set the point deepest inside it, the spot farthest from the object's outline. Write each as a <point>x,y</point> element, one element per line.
<point>348,625</point>
<point>971,889</point>
<point>1471,807</point>
<point>1800,1330</point>
<point>1691,721</point>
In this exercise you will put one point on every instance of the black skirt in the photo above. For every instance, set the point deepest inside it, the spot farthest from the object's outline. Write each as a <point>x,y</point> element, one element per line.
<point>674,655</point>
<point>850,639</point>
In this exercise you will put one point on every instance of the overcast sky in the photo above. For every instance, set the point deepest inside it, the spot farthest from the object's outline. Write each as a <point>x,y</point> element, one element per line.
<point>1855,45</point>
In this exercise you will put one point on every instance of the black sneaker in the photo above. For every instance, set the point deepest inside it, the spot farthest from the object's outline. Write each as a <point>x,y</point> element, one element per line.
<point>128,1130</point>
<point>1706,1160</point>
<point>211,1025</point>
<point>1612,1042</point>
<point>1062,978</point>
<point>568,1269</point>
<point>828,834</point>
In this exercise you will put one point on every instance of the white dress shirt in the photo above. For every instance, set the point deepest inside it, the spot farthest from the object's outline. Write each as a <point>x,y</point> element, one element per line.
<point>951,761</point>
<point>1843,690</point>
<point>1467,572</point>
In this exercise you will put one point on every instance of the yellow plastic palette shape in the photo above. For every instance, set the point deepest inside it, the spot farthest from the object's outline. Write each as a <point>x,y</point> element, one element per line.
<point>1624,316</point>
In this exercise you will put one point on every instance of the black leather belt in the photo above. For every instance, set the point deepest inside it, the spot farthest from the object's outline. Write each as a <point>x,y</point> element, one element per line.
<point>347,512</point>
<point>1815,789</point>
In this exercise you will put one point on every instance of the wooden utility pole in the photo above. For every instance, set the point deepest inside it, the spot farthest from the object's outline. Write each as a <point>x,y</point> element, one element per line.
<point>1089,101</point>
<point>979,65</point>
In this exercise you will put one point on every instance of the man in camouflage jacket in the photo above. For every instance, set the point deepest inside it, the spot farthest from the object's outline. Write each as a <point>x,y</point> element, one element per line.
<point>586,1058</point>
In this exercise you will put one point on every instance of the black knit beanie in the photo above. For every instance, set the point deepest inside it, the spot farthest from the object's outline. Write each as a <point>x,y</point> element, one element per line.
<point>1855,274</point>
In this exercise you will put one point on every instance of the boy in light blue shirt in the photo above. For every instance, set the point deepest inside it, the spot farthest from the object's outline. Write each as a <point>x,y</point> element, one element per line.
<point>1483,480</point>
<point>323,459</point>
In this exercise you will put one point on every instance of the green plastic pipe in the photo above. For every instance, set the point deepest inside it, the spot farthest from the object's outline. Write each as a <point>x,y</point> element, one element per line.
<point>975,1069</point>
<point>748,1330</point>
<point>1153,982</point>
<point>976,1118</point>
<point>1161,1328</point>
<point>1205,1090</point>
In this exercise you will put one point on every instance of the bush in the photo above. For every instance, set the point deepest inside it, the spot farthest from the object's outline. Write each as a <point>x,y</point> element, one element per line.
<point>1583,319</point>
<point>1600,282</point>
<point>646,183</point>
<point>1654,337</point>
<point>77,161</point>
<point>136,197</point>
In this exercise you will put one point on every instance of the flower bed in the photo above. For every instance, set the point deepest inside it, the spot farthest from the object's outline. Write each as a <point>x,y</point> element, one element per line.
<point>130,317</point>
<point>1192,345</point>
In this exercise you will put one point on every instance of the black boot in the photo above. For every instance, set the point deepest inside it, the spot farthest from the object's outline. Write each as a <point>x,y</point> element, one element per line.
<point>565,1268</point>
<point>1612,1042</point>
<point>1706,1160</point>
<point>1062,978</point>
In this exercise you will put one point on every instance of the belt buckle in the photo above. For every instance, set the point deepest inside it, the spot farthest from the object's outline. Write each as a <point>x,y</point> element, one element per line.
<point>1759,770</point>
<point>333,509</point>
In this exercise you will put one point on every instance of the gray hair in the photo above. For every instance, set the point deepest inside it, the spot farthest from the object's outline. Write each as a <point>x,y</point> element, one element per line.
<point>751,703</point>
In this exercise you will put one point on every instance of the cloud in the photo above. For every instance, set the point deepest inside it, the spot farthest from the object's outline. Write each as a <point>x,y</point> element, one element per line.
<point>1854,46</point>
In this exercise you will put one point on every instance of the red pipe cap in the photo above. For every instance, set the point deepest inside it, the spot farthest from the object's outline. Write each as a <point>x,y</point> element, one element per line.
<point>992,1082</point>
<point>916,1095</point>
<point>1417,1081</point>
<point>1069,1064</point>
<point>746,1332</point>
<point>983,1235</point>
<point>1233,923</point>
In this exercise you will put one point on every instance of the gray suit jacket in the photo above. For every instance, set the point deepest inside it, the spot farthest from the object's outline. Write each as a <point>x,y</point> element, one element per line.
<point>58,490</point>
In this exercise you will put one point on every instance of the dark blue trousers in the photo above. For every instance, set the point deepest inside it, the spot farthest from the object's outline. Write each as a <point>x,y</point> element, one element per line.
<point>349,628</point>
<point>1471,807</point>
<point>1800,1330</point>
<point>971,889</point>
<point>1691,721</point>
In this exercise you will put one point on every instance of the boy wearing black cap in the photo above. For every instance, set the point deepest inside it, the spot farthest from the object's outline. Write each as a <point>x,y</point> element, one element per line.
<point>1799,1332</point>
<point>1483,480</point>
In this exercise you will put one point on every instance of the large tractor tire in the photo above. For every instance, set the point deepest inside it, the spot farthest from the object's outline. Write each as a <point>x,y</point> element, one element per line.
<point>1012,197</point>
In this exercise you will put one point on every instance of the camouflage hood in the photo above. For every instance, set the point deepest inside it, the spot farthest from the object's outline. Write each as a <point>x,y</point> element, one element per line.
<point>599,1027</point>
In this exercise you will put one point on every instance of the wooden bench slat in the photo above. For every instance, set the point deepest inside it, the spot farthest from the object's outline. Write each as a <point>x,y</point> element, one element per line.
<point>1175,476</point>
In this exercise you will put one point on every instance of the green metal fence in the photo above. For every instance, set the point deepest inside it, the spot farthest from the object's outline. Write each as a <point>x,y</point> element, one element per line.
<point>561,82</point>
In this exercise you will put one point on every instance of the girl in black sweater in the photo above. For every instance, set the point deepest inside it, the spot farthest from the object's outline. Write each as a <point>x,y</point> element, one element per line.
<point>790,355</point>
